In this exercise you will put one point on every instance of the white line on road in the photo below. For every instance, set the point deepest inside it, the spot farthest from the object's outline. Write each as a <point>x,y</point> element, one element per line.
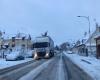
<point>31,75</point>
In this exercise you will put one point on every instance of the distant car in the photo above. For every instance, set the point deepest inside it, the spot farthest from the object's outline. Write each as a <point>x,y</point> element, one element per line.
<point>56,52</point>
<point>14,56</point>
<point>69,52</point>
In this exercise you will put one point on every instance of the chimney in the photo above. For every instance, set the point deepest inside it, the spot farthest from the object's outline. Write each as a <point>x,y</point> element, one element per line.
<point>97,27</point>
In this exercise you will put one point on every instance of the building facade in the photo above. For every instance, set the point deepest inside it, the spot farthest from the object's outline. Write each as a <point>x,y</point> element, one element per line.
<point>18,41</point>
<point>91,42</point>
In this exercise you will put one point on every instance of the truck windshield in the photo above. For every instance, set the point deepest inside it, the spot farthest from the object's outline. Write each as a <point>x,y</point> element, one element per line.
<point>41,45</point>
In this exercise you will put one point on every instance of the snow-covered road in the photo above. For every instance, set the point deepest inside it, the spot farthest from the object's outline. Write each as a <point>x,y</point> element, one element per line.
<point>56,68</point>
<point>61,74</point>
<point>18,72</point>
<point>50,70</point>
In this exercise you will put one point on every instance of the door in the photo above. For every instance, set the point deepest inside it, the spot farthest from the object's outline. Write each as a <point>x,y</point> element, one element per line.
<point>98,51</point>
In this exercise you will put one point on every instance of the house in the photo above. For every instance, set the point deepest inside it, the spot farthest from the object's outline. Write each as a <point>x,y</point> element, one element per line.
<point>18,41</point>
<point>80,48</point>
<point>97,38</point>
<point>88,43</point>
<point>1,38</point>
<point>91,42</point>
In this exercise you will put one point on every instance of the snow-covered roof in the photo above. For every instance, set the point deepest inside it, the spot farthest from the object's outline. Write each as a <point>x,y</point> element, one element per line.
<point>6,43</point>
<point>20,35</point>
<point>17,36</point>
<point>92,44</point>
<point>5,36</point>
<point>97,35</point>
<point>86,37</point>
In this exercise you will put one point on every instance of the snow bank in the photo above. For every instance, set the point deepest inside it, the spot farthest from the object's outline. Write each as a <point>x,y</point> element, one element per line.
<point>90,65</point>
<point>5,64</point>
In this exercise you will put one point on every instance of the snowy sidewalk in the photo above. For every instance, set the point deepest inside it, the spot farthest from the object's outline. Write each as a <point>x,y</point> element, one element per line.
<point>90,65</point>
<point>5,64</point>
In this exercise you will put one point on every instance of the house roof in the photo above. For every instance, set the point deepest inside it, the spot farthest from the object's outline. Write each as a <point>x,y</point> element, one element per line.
<point>18,36</point>
<point>98,35</point>
<point>88,44</point>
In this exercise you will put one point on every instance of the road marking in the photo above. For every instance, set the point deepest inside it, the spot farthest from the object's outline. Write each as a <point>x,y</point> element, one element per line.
<point>31,75</point>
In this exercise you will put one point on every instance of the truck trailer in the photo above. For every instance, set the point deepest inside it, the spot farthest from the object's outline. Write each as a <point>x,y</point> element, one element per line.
<point>43,47</point>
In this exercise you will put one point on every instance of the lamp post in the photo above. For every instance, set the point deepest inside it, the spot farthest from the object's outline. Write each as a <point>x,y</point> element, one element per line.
<point>87,17</point>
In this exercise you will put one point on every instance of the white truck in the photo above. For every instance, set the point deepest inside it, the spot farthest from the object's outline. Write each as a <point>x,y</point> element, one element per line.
<point>43,47</point>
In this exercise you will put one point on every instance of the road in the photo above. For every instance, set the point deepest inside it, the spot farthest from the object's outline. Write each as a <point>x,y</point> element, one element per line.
<point>54,71</point>
<point>56,68</point>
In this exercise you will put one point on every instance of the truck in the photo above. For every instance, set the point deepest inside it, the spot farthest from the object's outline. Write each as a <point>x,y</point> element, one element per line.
<point>43,47</point>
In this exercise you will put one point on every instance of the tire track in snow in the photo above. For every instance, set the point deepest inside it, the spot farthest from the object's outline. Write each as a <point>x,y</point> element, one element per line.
<point>61,73</point>
<point>34,73</point>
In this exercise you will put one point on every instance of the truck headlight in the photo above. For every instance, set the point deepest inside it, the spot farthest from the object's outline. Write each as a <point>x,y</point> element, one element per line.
<point>47,55</point>
<point>35,55</point>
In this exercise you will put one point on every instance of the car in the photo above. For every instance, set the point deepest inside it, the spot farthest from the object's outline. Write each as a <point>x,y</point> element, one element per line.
<point>69,52</point>
<point>56,51</point>
<point>14,56</point>
<point>30,54</point>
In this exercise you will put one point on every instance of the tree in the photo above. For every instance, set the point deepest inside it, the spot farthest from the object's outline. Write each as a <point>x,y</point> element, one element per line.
<point>29,37</point>
<point>65,46</point>
<point>57,47</point>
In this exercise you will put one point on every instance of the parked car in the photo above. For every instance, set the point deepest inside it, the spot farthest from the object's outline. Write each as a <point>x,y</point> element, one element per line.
<point>16,55</point>
<point>56,51</point>
<point>30,54</point>
<point>69,52</point>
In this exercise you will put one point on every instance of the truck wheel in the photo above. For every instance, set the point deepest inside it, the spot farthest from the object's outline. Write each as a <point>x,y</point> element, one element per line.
<point>52,54</point>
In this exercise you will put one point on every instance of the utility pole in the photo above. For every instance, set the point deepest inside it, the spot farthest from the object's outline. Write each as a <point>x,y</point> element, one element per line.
<point>87,17</point>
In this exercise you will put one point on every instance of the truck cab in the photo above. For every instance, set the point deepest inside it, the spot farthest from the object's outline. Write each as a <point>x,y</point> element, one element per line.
<point>43,47</point>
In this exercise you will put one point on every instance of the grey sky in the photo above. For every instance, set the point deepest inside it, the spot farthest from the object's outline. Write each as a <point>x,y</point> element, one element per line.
<point>58,17</point>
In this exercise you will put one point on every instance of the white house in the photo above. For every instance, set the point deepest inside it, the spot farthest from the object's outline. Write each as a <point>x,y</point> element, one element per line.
<point>88,42</point>
<point>91,42</point>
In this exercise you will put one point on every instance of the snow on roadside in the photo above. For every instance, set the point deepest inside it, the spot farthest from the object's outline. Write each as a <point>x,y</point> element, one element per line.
<point>90,65</point>
<point>5,64</point>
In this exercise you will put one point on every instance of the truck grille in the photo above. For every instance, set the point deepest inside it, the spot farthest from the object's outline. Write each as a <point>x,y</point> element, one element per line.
<point>41,54</point>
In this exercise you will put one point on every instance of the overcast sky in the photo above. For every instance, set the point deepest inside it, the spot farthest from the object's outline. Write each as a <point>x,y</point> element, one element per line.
<point>58,17</point>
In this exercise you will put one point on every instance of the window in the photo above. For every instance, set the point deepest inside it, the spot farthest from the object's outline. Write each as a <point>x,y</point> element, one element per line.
<point>13,39</point>
<point>23,38</point>
<point>41,45</point>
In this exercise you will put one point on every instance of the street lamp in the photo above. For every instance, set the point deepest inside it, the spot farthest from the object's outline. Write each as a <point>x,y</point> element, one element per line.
<point>87,17</point>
